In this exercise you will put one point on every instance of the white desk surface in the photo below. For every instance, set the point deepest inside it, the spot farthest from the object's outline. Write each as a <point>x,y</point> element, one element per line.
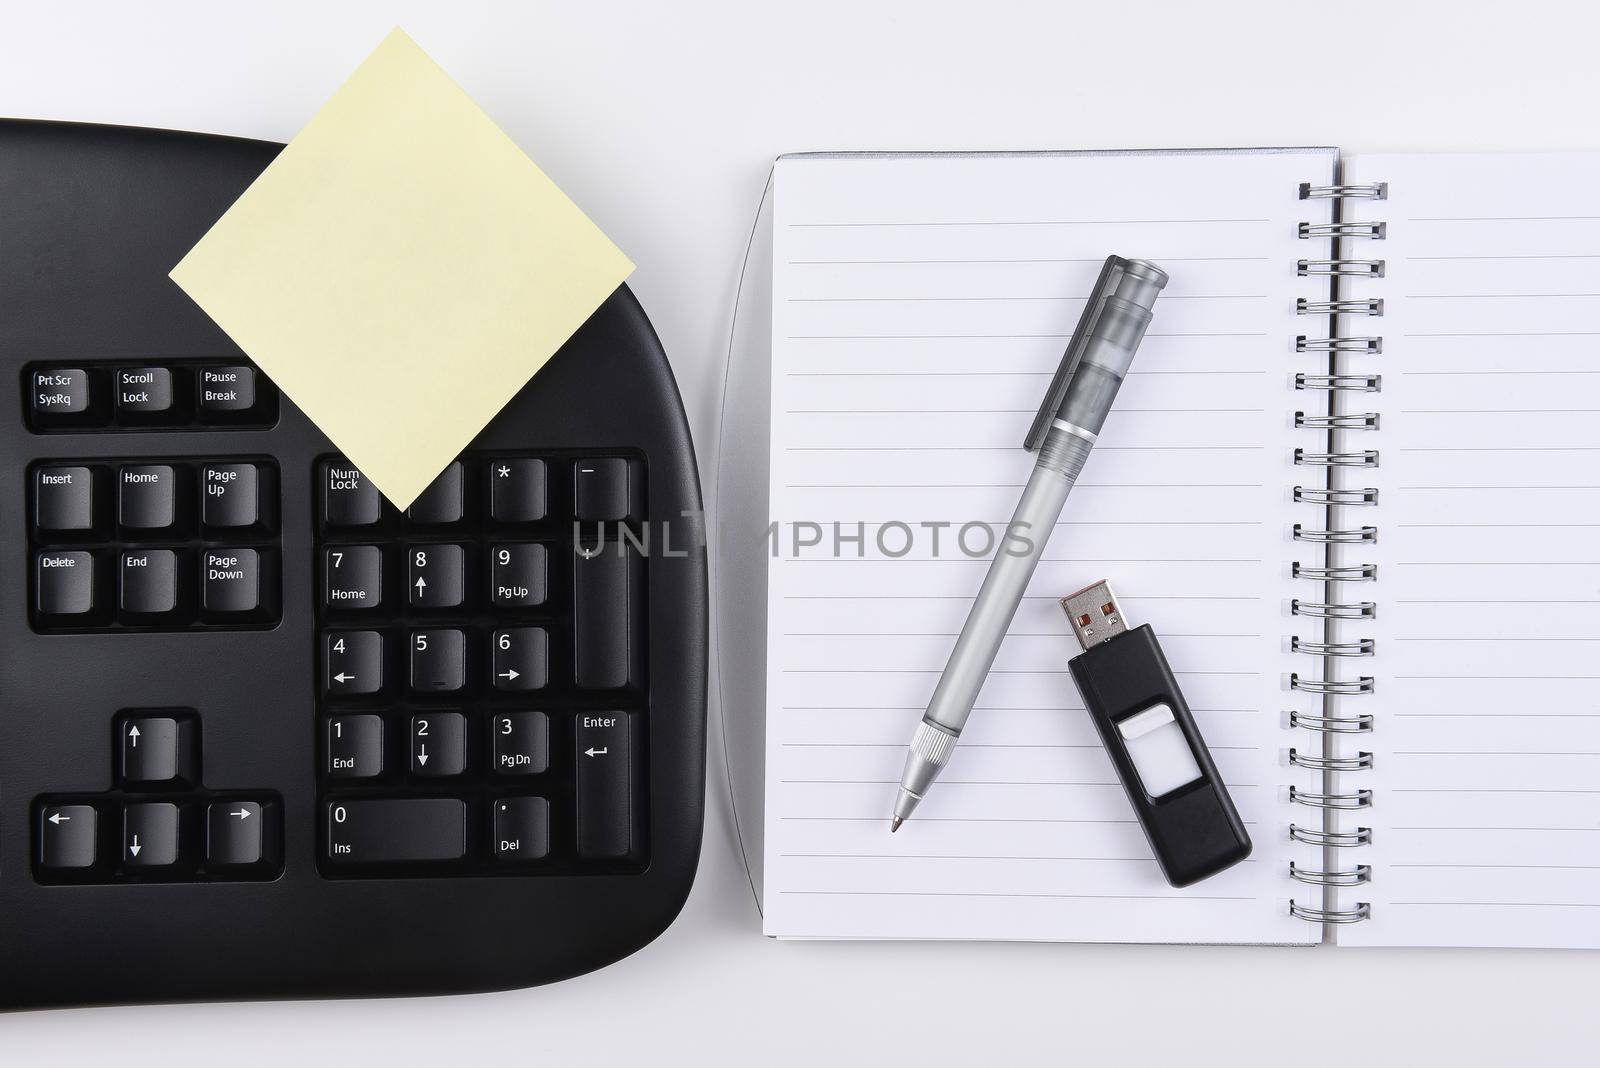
<point>661,120</point>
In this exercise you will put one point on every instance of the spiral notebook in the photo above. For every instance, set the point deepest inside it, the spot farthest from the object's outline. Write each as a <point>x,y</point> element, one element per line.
<point>1351,481</point>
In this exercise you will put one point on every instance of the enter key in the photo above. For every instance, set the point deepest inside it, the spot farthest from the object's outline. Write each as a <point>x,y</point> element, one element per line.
<point>605,791</point>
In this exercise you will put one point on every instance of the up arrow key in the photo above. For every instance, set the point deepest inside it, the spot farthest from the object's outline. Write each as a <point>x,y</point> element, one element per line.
<point>133,736</point>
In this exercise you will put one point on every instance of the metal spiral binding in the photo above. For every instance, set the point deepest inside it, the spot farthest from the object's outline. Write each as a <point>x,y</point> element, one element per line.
<point>1348,421</point>
<point>1360,535</point>
<point>1331,724</point>
<point>1340,383</point>
<point>1331,610</point>
<point>1330,686</point>
<point>1347,573</point>
<point>1355,268</point>
<point>1359,762</point>
<point>1364,458</point>
<point>1374,191</point>
<point>1335,839</point>
<point>1327,496</point>
<point>1361,873</point>
<point>1371,345</point>
<point>1363,647</point>
<point>1375,230</point>
<point>1330,648</point>
<point>1361,912</point>
<point>1359,799</point>
<point>1339,307</point>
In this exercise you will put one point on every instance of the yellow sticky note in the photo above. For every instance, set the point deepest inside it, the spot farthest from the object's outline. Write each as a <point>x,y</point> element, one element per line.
<point>401,269</point>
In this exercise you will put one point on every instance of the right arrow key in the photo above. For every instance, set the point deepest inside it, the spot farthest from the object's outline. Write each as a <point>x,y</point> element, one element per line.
<point>237,835</point>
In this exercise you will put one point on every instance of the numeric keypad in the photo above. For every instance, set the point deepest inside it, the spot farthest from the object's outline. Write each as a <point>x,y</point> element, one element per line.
<point>481,672</point>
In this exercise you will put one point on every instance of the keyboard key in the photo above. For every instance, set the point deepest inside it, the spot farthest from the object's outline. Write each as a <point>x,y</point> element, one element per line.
<point>521,828</point>
<point>64,583</point>
<point>150,835</point>
<point>601,490</point>
<point>67,837</point>
<point>438,744</point>
<point>230,496</point>
<point>397,831</point>
<point>438,576</point>
<point>355,747</point>
<point>143,394</point>
<point>352,577</point>
<point>158,751</point>
<point>352,663</point>
<point>349,499</point>
<point>517,490</point>
<point>147,497</point>
<point>63,397</point>
<point>605,789</point>
<point>521,659</point>
<point>230,582</point>
<point>521,743</point>
<point>235,834</point>
<point>606,617</point>
<point>438,661</point>
<point>227,391</point>
<point>441,502</point>
<point>63,500</point>
<point>148,582</point>
<point>518,575</point>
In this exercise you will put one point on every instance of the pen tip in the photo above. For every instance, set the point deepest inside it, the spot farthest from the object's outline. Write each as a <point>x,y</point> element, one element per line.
<point>895,826</point>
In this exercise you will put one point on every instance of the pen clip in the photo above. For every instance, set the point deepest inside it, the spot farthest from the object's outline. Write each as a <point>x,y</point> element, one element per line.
<point>1106,284</point>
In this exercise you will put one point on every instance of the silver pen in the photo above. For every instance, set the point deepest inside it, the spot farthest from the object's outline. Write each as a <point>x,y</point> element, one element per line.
<point>1064,431</point>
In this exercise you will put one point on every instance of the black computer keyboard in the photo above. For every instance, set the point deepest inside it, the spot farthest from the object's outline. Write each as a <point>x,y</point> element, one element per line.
<point>261,733</point>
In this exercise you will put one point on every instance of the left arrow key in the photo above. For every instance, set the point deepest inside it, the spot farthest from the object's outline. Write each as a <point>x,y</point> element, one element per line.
<point>67,837</point>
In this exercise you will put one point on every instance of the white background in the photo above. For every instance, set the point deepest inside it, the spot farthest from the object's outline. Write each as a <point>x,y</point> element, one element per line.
<point>660,119</point>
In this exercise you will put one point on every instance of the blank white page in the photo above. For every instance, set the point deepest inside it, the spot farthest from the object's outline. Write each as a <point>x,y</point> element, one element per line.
<point>1486,806</point>
<point>921,305</point>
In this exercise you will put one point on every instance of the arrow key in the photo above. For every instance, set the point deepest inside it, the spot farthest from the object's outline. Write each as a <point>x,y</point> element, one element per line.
<point>150,835</point>
<point>236,834</point>
<point>438,744</point>
<point>158,750</point>
<point>438,576</point>
<point>521,659</point>
<point>67,837</point>
<point>352,663</point>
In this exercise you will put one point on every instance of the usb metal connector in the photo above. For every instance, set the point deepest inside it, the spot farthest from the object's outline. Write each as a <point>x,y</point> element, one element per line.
<point>1094,614</point>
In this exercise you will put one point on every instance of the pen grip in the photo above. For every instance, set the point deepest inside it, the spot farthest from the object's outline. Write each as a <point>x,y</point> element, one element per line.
<point>1016,556</point>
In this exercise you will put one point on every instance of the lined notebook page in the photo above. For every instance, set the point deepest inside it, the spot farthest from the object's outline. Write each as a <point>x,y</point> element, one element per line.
<point>921,305</point>
<point>1486,811</point>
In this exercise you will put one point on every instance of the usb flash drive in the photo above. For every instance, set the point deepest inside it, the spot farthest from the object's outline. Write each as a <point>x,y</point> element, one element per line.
<point>1159,755</point>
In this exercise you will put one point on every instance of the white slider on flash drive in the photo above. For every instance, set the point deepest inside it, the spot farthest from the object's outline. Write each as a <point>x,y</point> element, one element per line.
<point>1159,750</point>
